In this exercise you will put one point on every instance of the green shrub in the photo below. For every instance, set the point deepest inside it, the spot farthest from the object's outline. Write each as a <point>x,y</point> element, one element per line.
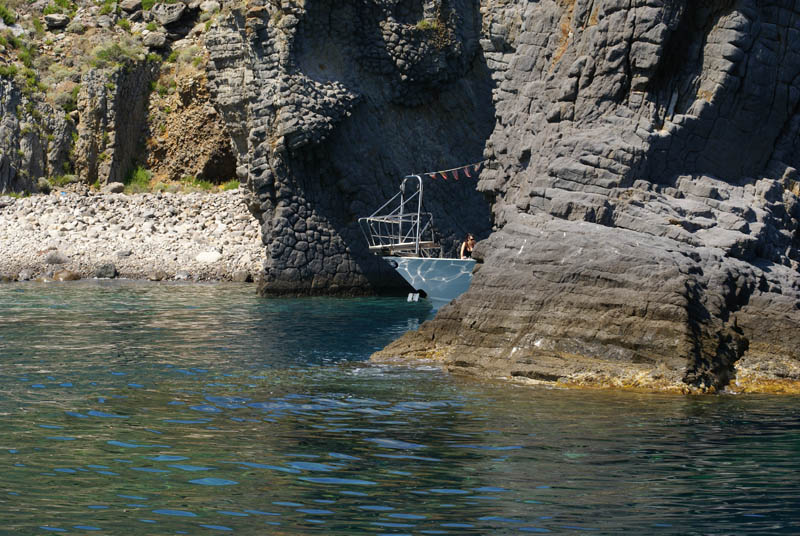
<point>108,7</point>
<point>147,4</point>
<point>63,180</point>
<point>7,15</point>
<point>16,195</point>
<point>138,180</point>
<point>173,56</point>
<point>428,24</point>
<point>116,53</point>
<point>151,26</point>
<point>26,57</point>
<point>8,71</point>
<point>38,26</point>
<point>66,5</point>
<point>14,41</point>
<point>125,24</point>
<point>68,100</point>
<point>193,183</point>
<point>32,83</point>
<point>229,185</point>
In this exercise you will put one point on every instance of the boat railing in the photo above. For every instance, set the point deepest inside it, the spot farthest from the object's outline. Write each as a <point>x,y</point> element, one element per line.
<point>400,226</point>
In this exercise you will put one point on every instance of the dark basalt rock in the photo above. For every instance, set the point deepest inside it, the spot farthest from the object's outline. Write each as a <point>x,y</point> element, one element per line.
<point>641,169</point>
<point>647,203</point>
<point>106,271</point>
<point>342,101</point>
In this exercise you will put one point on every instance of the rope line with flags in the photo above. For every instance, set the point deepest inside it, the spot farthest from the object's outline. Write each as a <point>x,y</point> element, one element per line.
<point>469,171</point>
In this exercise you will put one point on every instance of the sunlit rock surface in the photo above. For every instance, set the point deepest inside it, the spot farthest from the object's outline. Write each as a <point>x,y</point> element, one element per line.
<point>645,200</point>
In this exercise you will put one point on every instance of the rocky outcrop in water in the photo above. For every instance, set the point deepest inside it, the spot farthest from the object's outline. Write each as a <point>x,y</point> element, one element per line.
<point>645,197</point>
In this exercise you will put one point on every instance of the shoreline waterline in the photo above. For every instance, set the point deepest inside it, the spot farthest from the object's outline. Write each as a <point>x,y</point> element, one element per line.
<point>194,236</point>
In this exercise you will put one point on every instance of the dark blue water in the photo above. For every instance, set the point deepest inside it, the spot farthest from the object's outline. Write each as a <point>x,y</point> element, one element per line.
<point>131,408</point>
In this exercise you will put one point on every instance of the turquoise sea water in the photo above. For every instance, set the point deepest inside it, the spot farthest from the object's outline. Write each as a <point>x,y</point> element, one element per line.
<point>133,408</point>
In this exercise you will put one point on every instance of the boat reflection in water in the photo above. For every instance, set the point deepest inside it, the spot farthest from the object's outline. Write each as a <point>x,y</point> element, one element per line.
<point>439,280</point>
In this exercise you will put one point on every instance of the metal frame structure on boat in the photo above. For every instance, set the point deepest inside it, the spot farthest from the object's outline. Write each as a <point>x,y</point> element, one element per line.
<point>402,233</point>
<point>404,230</point>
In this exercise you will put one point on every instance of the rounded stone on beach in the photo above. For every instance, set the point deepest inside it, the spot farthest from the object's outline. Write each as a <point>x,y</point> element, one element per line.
<point>113,188</point>
<point>106,271</point>
<point>208,256</point>
<point>65,275</point>
<point>56,257</point>
<point>158,275</point>
<point>242,276</point>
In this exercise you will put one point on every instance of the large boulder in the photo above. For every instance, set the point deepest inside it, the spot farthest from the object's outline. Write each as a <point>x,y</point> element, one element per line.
<point>130,6</point>
<point>168,14</point>
<point>55,21</point>
<point>155,40</point>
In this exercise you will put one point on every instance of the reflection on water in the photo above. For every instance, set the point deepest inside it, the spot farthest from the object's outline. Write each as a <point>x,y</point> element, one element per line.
<point>162,409</point>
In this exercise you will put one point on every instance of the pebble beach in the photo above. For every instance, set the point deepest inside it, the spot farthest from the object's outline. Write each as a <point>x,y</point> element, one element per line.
<point>195,236</point>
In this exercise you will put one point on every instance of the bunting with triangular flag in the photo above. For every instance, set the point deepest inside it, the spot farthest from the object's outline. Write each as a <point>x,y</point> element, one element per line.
<point>469,171</point>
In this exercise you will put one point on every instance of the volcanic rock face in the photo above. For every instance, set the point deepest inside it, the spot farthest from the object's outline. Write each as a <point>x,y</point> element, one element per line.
<point>645,197</point>
<point>329,106</point>
<point>114,116</point>
<point>30,148</point>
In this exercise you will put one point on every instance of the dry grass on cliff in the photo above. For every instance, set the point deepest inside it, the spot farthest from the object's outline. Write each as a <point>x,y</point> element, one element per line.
<point>565,26</point>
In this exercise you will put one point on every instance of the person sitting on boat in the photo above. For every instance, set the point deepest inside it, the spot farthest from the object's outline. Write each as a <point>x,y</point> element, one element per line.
<point>466,247</point>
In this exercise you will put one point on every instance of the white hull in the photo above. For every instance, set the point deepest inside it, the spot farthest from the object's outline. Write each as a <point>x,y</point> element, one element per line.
<point>440,279</point>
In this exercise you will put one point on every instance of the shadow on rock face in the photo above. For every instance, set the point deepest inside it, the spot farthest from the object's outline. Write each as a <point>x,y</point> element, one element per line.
<point>344,100</point>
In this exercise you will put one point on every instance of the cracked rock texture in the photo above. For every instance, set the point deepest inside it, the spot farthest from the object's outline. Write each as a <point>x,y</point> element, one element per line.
<point>34,141</point>
<point>329,105</point>
<point>643,173</point>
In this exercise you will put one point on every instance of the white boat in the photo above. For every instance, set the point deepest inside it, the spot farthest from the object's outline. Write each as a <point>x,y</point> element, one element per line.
<point>439,280</point>
<point>402,233</point>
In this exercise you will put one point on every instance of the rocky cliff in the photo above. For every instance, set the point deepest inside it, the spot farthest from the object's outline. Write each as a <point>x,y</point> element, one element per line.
<point>330,104</point>
<point>638,212</point>
<point>645,200</point>
<point>90,92</point>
